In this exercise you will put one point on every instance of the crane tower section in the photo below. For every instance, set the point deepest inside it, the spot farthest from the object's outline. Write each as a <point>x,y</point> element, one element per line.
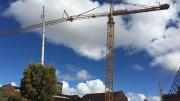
<point>176,83</point>
<point>109,84</point>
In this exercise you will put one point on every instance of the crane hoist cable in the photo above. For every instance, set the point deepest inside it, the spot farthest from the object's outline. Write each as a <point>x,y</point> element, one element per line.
<point>84,12</point>
<point>91,10</point>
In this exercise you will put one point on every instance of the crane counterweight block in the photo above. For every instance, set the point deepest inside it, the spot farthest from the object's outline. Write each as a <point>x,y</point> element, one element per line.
<point>164,6</point>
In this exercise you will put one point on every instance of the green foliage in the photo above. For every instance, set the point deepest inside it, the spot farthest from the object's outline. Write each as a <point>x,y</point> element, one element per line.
<point>16,97</point>
<point>39,83</point>
<point>3,95</point>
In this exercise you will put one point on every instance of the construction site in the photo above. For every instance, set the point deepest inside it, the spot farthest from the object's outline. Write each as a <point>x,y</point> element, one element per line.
<point>110,94</point>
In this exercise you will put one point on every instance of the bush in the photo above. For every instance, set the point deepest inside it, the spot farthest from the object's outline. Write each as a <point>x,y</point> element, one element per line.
<point>16,97</point>
<point>4,96</point>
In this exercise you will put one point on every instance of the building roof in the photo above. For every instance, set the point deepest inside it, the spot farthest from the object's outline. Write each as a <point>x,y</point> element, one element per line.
<point>9,88</point>
<point>118,96</point>
<point>171,97</point>
<point>62,97</point>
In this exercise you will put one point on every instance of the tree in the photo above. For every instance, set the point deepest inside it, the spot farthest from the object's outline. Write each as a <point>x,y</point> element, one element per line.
<point>39,83</point>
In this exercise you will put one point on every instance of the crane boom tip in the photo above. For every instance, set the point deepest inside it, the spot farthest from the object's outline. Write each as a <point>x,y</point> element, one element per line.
<point>164,6</point>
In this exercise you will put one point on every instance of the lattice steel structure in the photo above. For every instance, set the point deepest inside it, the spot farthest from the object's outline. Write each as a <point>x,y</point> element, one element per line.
<point>176,83</point>
<point>109,82</point>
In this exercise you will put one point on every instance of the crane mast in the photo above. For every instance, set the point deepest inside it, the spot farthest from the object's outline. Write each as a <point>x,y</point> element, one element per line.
<point>43,37</point>
<point>109,82</point>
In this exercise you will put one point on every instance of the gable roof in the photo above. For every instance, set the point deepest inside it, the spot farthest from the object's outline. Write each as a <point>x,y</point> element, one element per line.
<point>118,96</point>
<point>9,88</point>
<point>63,97</point>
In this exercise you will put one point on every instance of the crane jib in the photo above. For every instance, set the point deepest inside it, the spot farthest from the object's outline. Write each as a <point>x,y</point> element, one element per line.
<point>89,16</point>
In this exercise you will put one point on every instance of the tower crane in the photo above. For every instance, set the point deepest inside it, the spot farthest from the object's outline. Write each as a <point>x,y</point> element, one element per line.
<point>109,82</point>
<point>176,83</point>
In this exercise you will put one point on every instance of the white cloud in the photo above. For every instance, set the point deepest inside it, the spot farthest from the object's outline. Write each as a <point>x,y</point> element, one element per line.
<point>169,60</point>
<point>13,84</point>
<point>135,97</point>
<point>83,75</point>
<point>0,85</point>
<point>88,37</point>
<point>137,67</point>
<point>140,97</point>
<point>91,86</point>
<point>73,73</point>
<point>83,89</point>
<point>79,75</point>
<point>67,90</point>
<point>154,98</point>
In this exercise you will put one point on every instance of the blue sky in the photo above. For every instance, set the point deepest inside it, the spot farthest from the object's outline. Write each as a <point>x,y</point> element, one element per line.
<point>133,65</point>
